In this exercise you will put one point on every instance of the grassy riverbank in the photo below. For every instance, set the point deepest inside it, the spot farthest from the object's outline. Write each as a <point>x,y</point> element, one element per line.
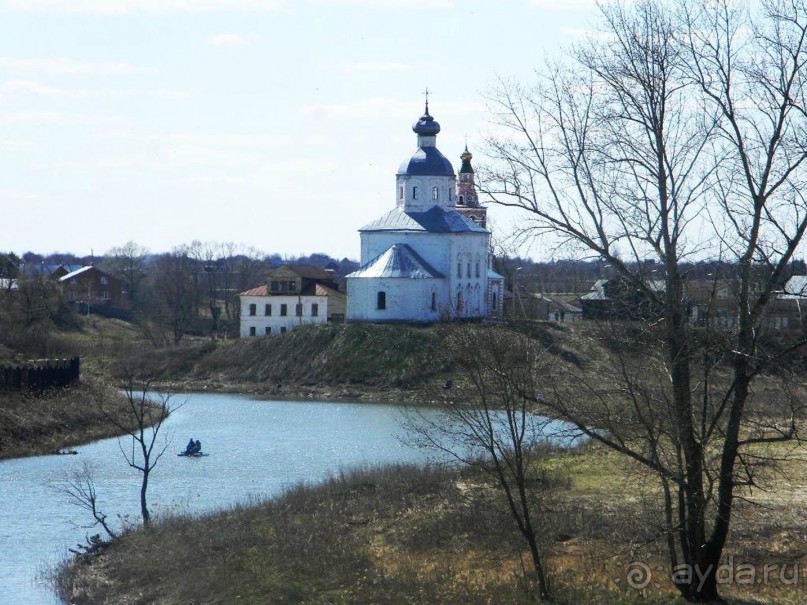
<point>403,535</point>
<point>49,422</point>
<point>331,362</point>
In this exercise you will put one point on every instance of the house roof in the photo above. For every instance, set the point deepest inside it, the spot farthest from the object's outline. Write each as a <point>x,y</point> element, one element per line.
<point>399,261</point>
<point>259,291</point>
<point>77,272</point>
<point>306,271</point>
<point>493,275</point>
<point>329,292</point>
<point>598,290</point>
<point>433,220</point>
<point>795,287</point>
<point>311,290</point>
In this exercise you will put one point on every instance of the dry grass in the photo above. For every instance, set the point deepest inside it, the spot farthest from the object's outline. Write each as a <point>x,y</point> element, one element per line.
<point>407,535</point>
<point>42,424</point>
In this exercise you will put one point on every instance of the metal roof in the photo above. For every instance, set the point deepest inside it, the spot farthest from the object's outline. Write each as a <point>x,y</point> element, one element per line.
<point>796,287</point>
<point>433,220</point>
<point>73,274</point>
<point>399,261</point>
<point>427,161</point>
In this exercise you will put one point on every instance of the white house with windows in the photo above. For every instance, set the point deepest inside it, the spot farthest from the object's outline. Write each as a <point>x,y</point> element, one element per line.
<point>293,295</point>
<point>428,258</point>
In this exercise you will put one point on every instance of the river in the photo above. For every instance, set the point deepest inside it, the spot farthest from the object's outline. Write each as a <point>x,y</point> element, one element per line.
<point>257,448</point>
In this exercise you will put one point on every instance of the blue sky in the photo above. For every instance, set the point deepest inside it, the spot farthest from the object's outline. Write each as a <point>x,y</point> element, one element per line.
<point>279,124</point>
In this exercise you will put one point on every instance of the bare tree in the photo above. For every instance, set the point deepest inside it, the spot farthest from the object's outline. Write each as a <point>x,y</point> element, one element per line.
<point>147,410</point>
<point>486,420</point>
<point>79,487</point>
<point>678,133</point>
<point>127,263</point>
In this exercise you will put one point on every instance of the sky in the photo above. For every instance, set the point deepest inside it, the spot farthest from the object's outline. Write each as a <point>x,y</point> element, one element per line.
<point>277,124</point>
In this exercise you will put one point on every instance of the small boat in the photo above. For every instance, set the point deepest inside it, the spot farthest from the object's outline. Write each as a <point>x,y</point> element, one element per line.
<point>193,454</point>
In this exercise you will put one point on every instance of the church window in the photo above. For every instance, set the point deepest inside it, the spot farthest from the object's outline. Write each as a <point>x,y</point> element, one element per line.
<point>495,301</point>
<point>284,310</point>
<point>469,270</point>
<point>381,301</point>
<point>401,192</point>
<point>459,301</point>
<point>459,268</point>
<point>298,310</point>
<point>267,310</point>
<point>462,200</point>
<point>314,309</point>
<point>435,193</point>
<point>253,309</point>
<point>414,193</point>
<point>477,268</point>
<point>283,330</point>
<point>449,194</point>
<point>434,301</point>
<point>268,330</point>
<point>252,331</point>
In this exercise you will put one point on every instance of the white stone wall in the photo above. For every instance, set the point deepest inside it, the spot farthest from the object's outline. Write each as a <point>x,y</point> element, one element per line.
<point>446,187</point>
<point>406,299</point>
<point>261,321</point>
<point>452,254</point>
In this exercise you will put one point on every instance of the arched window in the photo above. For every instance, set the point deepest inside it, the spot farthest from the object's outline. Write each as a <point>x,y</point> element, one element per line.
<point>477,266</point>
<point>449,194</point>
<point>469,269</point>
<point>401,192</point>
<point>461,201</point>
<point>435,193</point>
<point>459,301</point>
<point>495,302</point>
<point>434,301</point>
<point>414,193</point>
<point>381,301</point>
<point>459,267</point>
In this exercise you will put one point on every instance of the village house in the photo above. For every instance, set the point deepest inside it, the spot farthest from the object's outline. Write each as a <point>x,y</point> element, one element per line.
<point>90,287</point>
<point>293,295</point>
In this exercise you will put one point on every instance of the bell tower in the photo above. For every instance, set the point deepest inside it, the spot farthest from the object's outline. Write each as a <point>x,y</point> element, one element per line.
<point>467,198</point>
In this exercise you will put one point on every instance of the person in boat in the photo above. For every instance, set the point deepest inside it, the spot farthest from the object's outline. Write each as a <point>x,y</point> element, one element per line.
<point>191,447</point>
<point>197,447</point>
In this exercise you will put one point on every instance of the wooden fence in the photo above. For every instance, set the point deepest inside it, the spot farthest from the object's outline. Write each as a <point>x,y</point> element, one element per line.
<point>40,374</point>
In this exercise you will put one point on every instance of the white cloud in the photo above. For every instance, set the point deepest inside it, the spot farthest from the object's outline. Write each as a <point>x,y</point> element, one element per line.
<point>65,66</point>
<point>18,144</point>
<point>20,88</point>
<point>572,5</point>
<point>384,107</point>
<point>11,118</point>
<point>390,3</point>
<point>376,66</point>
<point>113,7</point>
<point>232,39</point>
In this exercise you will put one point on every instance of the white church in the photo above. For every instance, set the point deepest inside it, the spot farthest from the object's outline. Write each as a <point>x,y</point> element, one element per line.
<point>428,259</point>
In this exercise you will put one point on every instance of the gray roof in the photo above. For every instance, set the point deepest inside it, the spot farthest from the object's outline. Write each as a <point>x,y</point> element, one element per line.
<point>427,161</point>
<point>796,287</point>
<point>399,261</point>
<point>433,220</point>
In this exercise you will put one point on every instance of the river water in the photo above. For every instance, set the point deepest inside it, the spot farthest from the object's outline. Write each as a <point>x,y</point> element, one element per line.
<point>257,448</point>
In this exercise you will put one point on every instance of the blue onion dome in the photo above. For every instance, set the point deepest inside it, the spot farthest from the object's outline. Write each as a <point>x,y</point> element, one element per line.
<point>426,126</point>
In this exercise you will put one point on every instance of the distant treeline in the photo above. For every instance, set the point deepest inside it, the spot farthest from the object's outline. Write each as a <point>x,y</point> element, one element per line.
<point>40,375</point>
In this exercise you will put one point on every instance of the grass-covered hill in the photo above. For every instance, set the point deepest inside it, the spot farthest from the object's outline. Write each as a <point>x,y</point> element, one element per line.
<point>334,359</point>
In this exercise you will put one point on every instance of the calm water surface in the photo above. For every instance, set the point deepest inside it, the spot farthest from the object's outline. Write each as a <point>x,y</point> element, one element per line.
<point>257,448</point>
